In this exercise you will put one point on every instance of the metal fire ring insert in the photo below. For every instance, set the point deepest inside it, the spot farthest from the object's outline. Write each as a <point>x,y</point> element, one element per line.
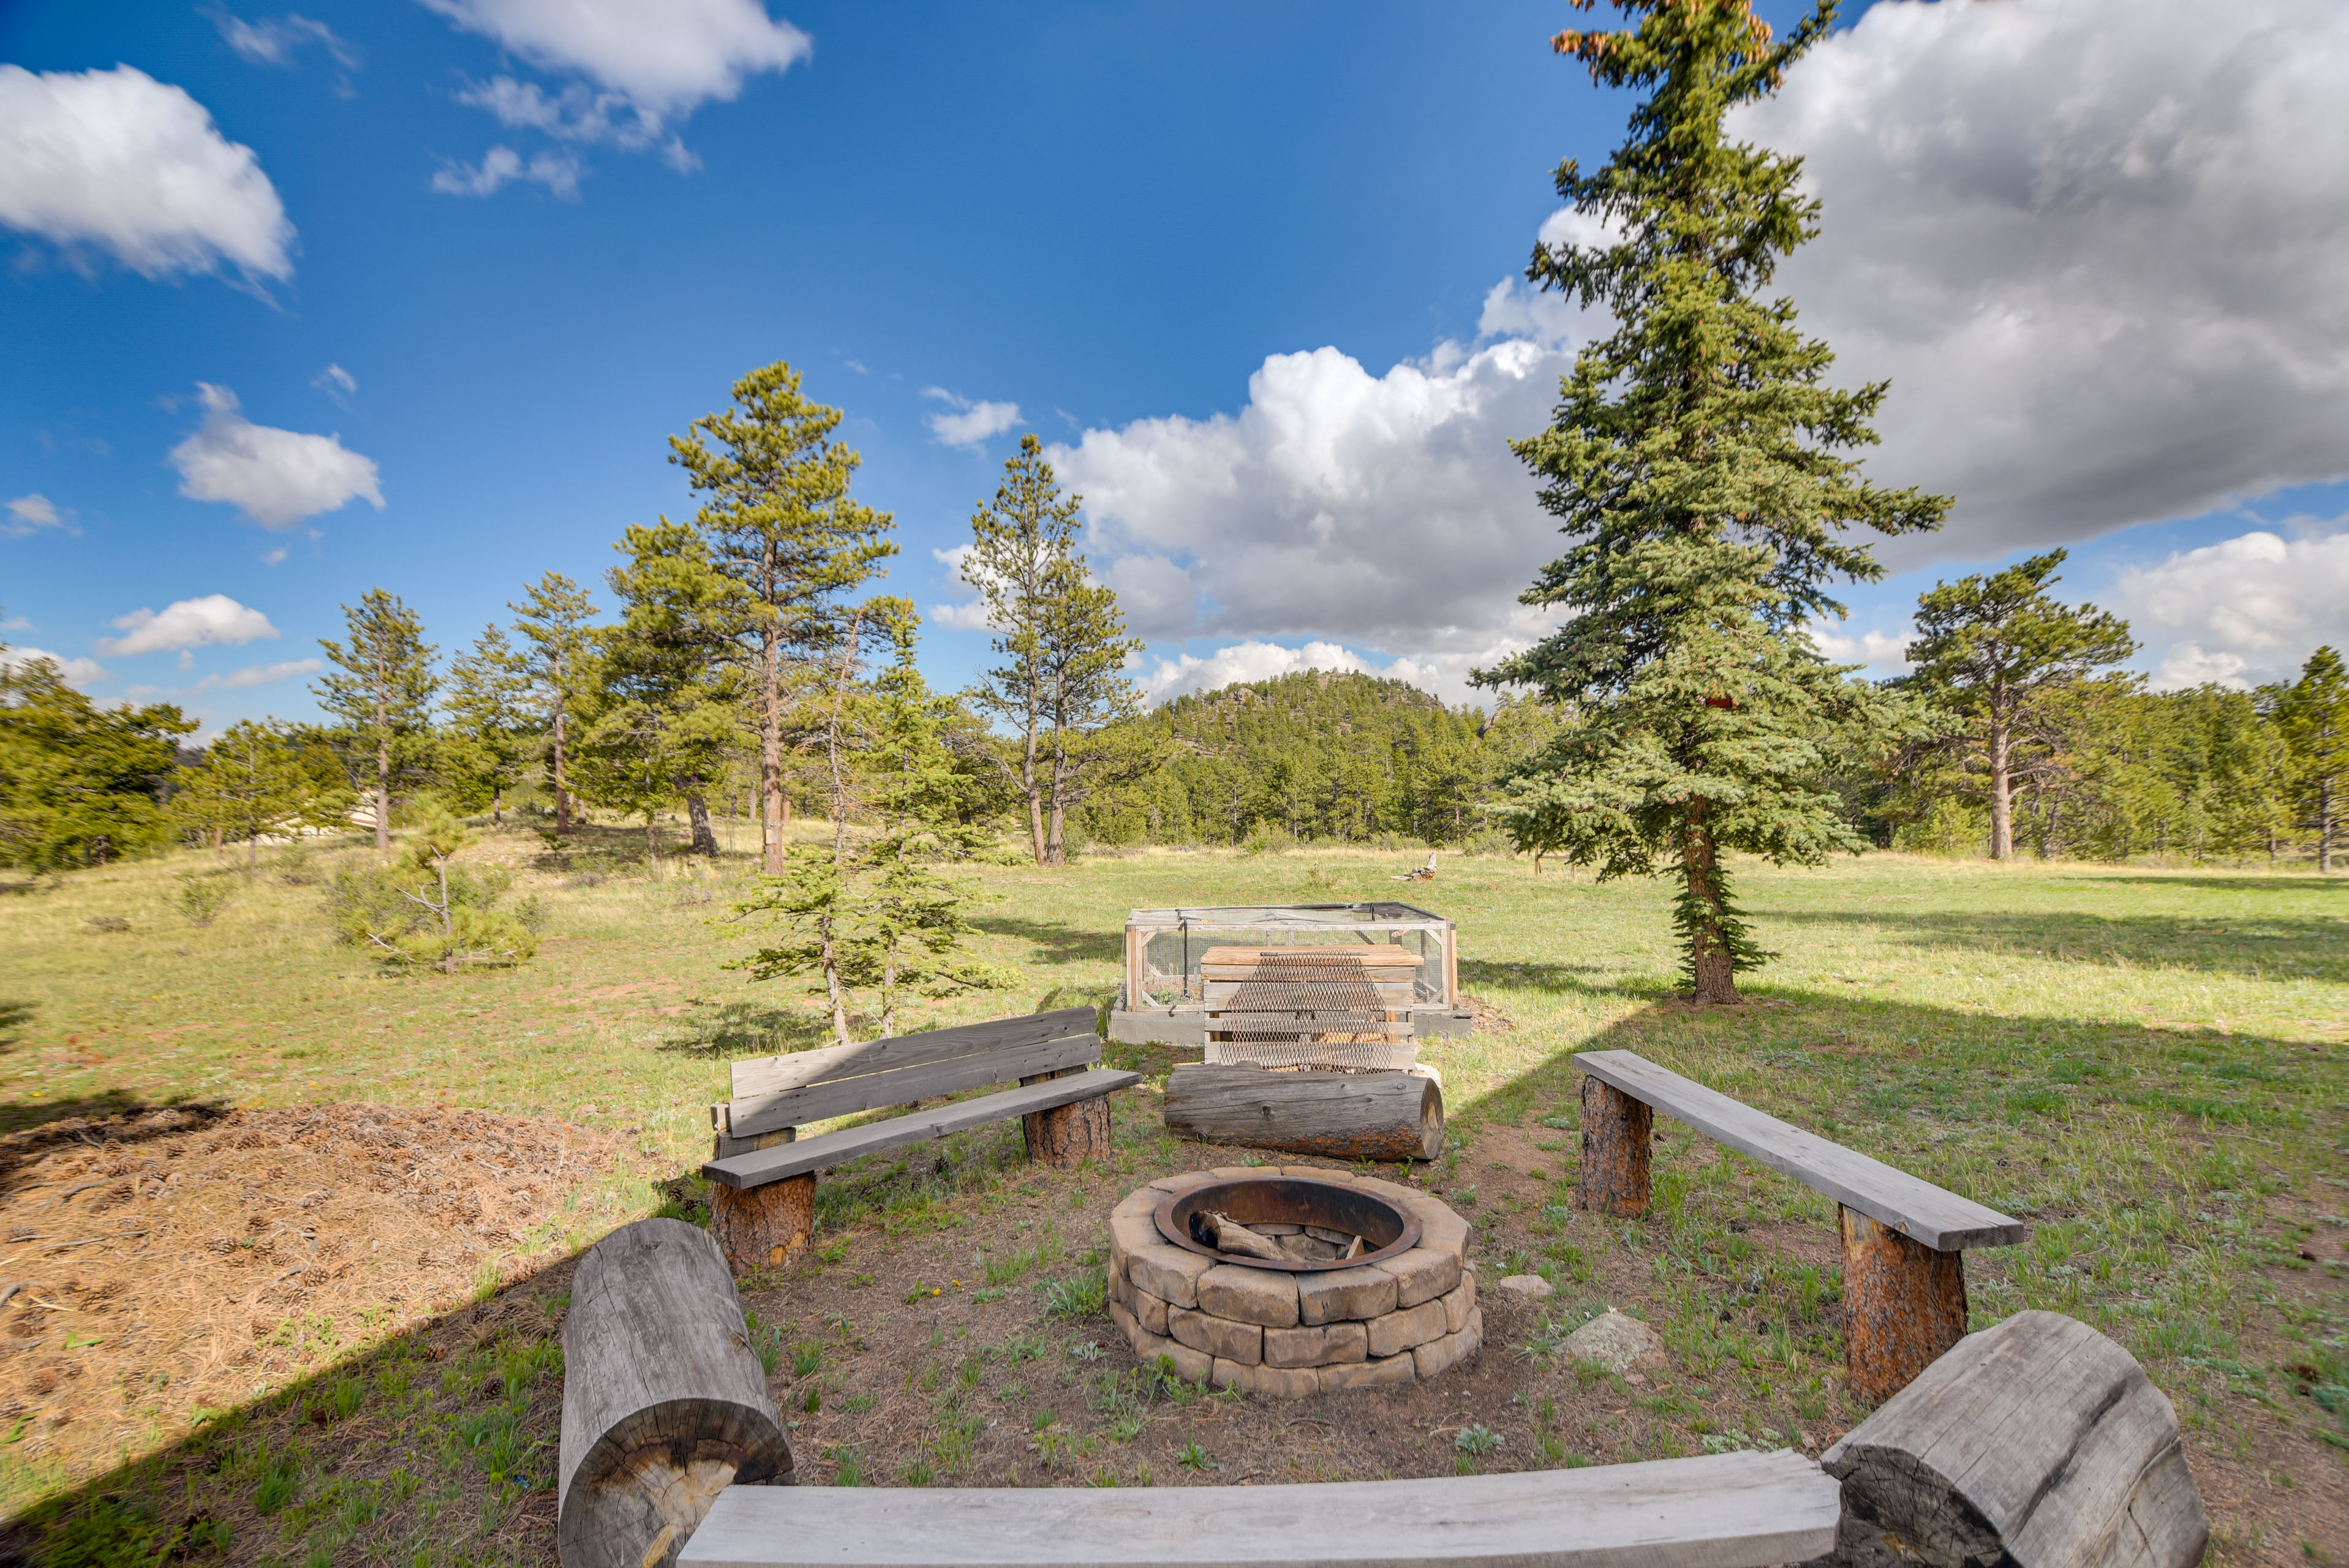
<point>1387,1228</point>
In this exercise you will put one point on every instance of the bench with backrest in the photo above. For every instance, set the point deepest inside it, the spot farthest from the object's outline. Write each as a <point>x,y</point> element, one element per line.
<point>762,1179</point>
<point>1904,1239</point>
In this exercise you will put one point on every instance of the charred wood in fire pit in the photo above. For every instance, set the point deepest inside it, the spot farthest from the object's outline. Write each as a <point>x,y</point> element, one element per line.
<point>1226,1234</point>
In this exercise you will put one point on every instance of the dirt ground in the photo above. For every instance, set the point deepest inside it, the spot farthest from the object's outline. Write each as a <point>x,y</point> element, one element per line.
<point>167,1263</point>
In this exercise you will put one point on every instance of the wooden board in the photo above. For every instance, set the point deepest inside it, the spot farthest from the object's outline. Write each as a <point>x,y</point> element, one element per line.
<point>904,1085</point>
<point>1914,1207</point>
<point>1369,956</point>
<point>836,1148</point>
<point>773,1074</point>
<point>664,1403</point>
<point>1719,1511</point>
<point>2038,1440</point>
<point>1345,1115</point>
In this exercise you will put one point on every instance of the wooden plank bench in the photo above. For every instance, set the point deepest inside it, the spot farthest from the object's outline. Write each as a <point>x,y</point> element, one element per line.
<point>1725,1511</point>
<point>1904,1239</point>
<point>762,1179</point>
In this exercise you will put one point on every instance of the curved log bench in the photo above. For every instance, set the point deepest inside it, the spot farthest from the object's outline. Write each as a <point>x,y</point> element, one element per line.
<point>1724,1511</point>
<point>1904,1239</point>
<point>2037,1442</point>
<point>664,1403</point>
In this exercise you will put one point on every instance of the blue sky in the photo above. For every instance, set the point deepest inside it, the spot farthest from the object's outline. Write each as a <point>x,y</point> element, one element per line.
<point>1246,266</point>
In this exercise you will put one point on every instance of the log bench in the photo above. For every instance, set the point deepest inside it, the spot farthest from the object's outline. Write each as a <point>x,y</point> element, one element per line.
<point>1904,1239</point>
<point>762,1179</point>
<point>1725,1511</point>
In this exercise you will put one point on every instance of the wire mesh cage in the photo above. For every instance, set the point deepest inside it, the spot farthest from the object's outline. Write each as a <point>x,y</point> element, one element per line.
<point>1294,984</point>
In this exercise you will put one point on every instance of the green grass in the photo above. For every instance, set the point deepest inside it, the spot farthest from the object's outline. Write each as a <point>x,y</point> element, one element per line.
<point>2146,1063</point>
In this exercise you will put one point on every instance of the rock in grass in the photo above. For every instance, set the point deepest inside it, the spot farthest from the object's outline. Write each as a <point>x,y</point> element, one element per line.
<point>1533,1287</point>
<point>1613,1341</point>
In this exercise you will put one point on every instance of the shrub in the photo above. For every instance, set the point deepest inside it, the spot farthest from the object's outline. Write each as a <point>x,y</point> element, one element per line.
<point>202,896</point>
<point>429,912</point>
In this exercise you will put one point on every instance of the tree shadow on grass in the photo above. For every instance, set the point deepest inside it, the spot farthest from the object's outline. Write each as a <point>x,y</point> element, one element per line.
<point>438,1443</point>
<point>2277,883</point>
<point>725,1030</point>
<point>1055,942</point>
<point>2262,946</point>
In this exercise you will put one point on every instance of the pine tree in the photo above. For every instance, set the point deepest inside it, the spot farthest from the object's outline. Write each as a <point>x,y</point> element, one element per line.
<point>1993,652</point>
<point>1064,640</point>
<point>79,784</point>
<point>553,618</point>
<point>384,695</point>
<point>2314,716</point>
<point>1695,461</point>
<point>252,782</point>
<point>491,731</point>
<point>782,524</point>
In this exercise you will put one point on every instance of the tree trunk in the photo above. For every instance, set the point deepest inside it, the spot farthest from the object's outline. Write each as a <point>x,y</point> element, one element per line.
<point>1904,1305</point>
<point>383,797</point>
<point>763,1227</point>
<point>705,837</point>
<point>1713,966</point>
<point>770,752</point>
<point>2324,828</point>
<point>562,774</point>
<point>1067,1135</point>
<point>1035,792</point>
<point>1618,1133</point>
<point>2001,795</point>
<point>1342,1116</point>
<point>664,1402</point>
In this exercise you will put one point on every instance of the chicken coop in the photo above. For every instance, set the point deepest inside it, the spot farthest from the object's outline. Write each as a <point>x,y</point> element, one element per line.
<point>1335,985</point>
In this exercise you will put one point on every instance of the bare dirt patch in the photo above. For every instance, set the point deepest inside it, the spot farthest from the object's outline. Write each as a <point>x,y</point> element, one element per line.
<point>163,1264</point>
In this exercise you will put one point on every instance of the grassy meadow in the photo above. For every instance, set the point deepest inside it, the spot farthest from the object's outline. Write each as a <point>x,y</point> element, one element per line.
<point>2144,1063</point>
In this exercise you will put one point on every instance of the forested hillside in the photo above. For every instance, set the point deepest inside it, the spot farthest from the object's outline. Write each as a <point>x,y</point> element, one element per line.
<point>1317,756</point>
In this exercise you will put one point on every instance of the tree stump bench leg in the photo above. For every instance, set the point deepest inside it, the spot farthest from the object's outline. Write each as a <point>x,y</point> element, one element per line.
<point>1067,1135</point>
<point>1616,1132</point>
<point>1904,1306</point>
<point>763,1227</point>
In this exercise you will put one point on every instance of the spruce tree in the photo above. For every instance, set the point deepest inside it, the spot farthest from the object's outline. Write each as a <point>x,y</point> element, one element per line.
<point>383,696</point>
<point>2313,715</point>
<point>491,730</point>
<point>1696,460</point>
<point>782,524</point>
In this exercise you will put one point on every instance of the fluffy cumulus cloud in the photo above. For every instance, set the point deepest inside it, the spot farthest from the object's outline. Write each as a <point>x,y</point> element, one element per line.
<point>213,621</point>
<point>118,161</point>
<point>31,514</point>
<point>641,67</point>
<point>966,423</point>
<point>75,673</point>
<point>1377,512</point>
<point>274,477</point>
<point>2096,245</point>
<point>2242,611</point>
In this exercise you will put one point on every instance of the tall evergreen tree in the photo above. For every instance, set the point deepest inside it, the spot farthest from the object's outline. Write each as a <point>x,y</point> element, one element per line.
<point>1995,651</point>
<point>79,784</point>
<point>384,693</point>
<point>782,523</point>
<point>1694,460</point>
<point>252,782</point>
<point>553,619</point>
<point>1064,642</point>
<point>491,730</point>
<point>2313,715</point>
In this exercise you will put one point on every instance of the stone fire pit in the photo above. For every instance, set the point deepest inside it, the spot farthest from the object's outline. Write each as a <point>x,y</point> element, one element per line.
<point>1311,1321</point>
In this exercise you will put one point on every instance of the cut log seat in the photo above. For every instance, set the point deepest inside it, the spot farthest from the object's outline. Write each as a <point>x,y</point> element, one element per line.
<point>1725,1511</point>
<point>1903,1238</point>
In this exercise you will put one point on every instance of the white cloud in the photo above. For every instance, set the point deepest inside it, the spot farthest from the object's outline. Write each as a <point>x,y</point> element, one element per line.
<point>1379,512</point>
<point>971,423</point>
<point>213,621</point>
<point>666,56</point>
<point>2095,245</point>
<point>2245,610</point>
<point>119,161</point>
<point>274,477</point>
<point>261,675</point>
<point>75,673</point>
<point>1884,653</point>
<point>653,62</point>
<point>558,172</point>
<point>28,514</point>
<point>335,381</point>
<point>279,42</point>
